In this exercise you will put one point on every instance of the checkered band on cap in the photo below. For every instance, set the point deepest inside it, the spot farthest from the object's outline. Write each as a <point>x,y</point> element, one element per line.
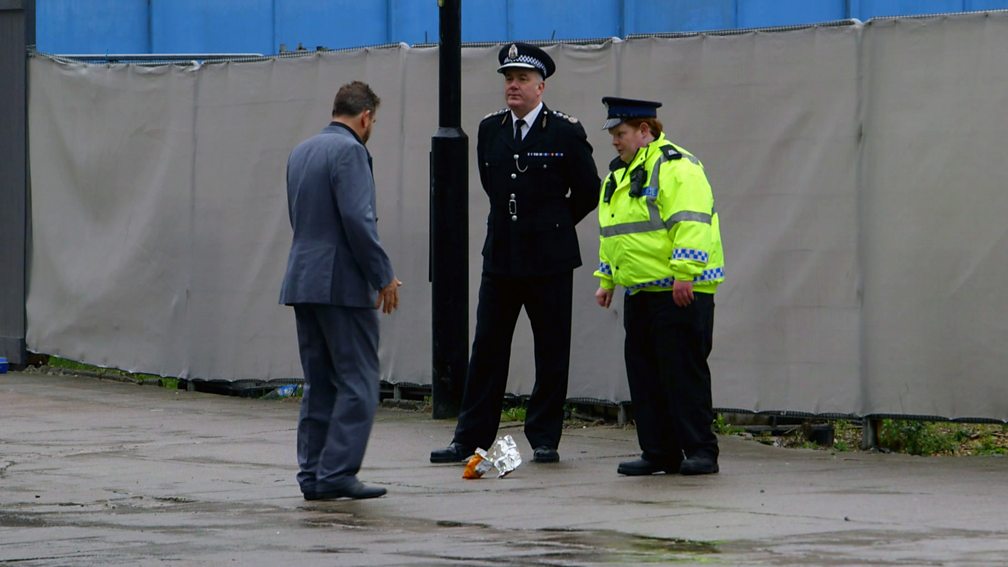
<point>525,56</point>
<point>527,60</point>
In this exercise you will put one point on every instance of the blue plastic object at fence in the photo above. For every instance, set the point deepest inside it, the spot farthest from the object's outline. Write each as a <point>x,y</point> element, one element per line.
<point>285,391</point>
<point>3,365</point>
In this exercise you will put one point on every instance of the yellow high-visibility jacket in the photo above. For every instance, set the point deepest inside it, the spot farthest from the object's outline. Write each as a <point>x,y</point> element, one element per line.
<point>657,223</point>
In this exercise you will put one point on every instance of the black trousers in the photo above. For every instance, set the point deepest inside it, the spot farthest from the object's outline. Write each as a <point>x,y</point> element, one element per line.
<point>666,352</point>
<point>547,301</point>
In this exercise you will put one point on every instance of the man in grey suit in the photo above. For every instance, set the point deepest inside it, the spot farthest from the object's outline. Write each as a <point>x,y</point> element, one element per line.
<point>337,276</point>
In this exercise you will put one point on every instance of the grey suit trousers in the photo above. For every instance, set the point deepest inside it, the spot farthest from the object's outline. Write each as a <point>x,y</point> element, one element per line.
<point>339,355</point>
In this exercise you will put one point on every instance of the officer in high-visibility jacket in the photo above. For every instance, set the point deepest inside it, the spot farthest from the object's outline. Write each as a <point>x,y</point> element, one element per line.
<point>660,240</point>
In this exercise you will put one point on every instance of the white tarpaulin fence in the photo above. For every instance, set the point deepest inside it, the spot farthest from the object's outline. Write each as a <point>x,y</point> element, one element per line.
<point>858,171</point>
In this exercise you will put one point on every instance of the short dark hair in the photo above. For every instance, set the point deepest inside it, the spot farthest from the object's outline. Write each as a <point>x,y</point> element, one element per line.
<point>653,123</point>
<point>354,98</point>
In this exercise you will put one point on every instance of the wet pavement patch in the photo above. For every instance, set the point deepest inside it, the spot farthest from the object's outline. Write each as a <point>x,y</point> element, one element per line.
<point>622,548</point>
<point>528,547</point>
<point>174,499</point>
<point>337,550</point>
<point>8,520</point>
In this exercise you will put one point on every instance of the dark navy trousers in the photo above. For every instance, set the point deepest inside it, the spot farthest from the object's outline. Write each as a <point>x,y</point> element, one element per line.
<point>666,352</point>
<point>547,301</point>
<point>339,355</point>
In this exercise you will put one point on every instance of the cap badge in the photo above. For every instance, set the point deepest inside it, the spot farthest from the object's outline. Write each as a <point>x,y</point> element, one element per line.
<point>513,52</point>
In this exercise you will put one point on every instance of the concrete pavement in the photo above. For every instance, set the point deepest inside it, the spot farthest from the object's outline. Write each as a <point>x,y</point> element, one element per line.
<point>95,472</point>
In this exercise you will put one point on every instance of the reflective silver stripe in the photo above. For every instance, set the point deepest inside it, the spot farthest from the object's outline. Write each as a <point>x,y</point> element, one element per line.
<point>631,228</point>
<point>654,223</point>
<point>654,173</point>
<point>687,216</point>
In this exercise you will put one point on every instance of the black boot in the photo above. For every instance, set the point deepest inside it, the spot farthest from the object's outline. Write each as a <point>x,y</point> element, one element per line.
<point>644,467</point>
<point>454,453</point>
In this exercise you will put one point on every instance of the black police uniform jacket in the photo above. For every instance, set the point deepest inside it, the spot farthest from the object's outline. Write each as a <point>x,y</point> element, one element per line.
<point>538,189</point>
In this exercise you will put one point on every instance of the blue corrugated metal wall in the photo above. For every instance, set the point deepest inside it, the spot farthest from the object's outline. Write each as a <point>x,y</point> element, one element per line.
<point>262,26</point>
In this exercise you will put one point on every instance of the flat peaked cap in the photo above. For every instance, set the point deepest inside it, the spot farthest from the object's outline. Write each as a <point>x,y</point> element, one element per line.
<point>620,109</point>
<point>525,56</point>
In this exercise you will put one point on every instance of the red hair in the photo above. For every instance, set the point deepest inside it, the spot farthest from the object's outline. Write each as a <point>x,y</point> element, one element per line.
<point>653,123</point>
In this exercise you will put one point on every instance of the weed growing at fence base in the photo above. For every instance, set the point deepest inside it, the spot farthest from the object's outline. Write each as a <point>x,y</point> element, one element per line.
<point>516,413</point>
<point>73,366</point>
<point>917,437</point>
<point>926,438</point>
<point>722,427</point>
<point>943,438</point>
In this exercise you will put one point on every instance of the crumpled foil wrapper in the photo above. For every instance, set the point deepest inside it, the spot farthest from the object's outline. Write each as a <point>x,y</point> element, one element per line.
<point>504,455</point>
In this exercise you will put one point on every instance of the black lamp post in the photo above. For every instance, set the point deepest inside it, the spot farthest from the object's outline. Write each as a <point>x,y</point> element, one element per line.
<point>449,223</point>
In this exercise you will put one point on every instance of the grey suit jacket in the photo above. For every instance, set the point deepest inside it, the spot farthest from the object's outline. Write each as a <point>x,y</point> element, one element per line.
<point>335,257</point>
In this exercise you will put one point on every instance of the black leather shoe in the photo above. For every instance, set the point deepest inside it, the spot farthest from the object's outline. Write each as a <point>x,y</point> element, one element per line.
<point>356,491</point>
<point>545,455</point>
<point>454,453</point>
<point>643,467</point>
<point>698,465</point>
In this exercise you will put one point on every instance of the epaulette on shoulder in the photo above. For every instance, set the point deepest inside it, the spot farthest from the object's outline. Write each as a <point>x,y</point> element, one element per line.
<point>496,113</point>
<point>671,152</point>
<point>565,116</point>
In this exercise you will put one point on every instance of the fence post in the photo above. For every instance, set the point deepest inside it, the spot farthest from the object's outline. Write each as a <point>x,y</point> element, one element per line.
<point>17,32</point>
<point>869,432</point>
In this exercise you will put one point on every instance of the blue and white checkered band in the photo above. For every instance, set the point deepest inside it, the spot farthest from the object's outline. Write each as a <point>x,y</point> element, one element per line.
<point>605,268</point>
<point>525,60</point>
<point>689,254</point>
<point>664,282</point>
<point>705,276</point>
<point>708,275</point>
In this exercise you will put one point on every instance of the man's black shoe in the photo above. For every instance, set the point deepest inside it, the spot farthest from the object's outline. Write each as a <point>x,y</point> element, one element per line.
<point>356,491</point>
<point>545,455</point>
<point>454,453</point>
<point>698,465</point>
<point>643,467</point>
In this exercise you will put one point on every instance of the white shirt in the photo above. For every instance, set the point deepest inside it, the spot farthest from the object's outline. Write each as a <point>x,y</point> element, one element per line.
<point>528,118</point>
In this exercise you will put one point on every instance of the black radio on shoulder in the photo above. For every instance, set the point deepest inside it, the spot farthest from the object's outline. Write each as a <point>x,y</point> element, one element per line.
<point>637,177</point>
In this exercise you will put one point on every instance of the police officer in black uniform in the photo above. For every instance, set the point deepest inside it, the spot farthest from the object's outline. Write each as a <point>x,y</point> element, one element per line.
<point>536,167</point>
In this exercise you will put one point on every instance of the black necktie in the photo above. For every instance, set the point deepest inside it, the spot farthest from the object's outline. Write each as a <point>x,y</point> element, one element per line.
<point>518,126</point>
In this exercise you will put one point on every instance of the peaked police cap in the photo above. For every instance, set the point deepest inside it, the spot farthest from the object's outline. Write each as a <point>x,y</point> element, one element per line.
<point>525,56</point>
<point>620,109</point>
